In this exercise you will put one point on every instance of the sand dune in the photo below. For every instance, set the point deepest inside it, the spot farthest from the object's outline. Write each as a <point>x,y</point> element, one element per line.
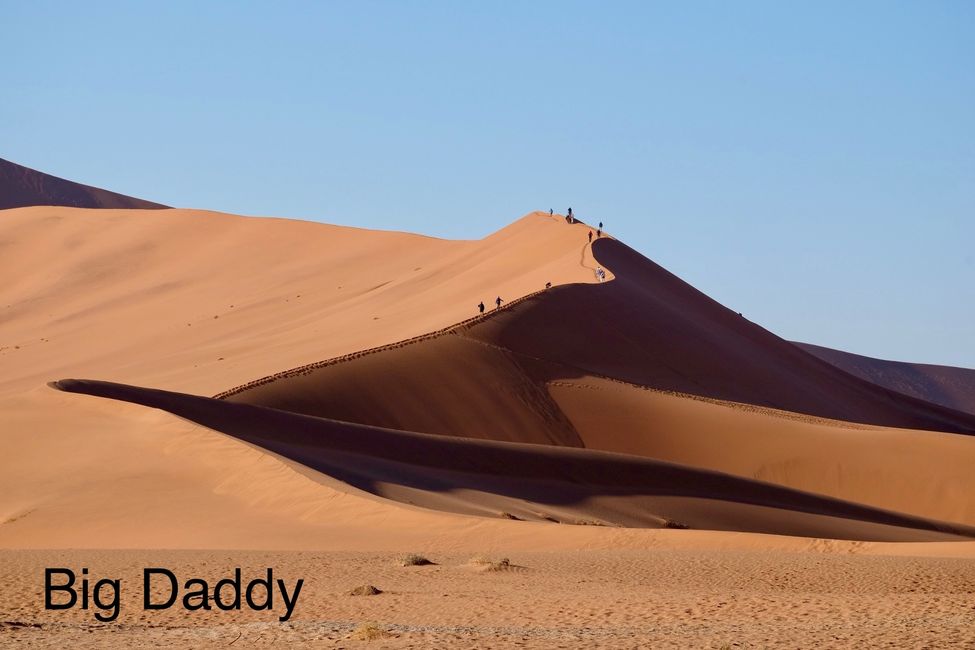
<point>200,302</point>
<point>21,187</point>
<point>646,327</point>
<point>531,481</point>
<point>944,385</point>
<point>536,373</point>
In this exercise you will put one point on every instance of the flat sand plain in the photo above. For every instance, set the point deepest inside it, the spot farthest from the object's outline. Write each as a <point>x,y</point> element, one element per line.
<point>657,597</point>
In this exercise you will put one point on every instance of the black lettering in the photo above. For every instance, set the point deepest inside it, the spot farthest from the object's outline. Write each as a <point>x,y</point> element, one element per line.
<point>193,595</point>
<point>268,593</point>
<point>113,605</point>
<point>146,588</point>
<point>50,588</point>
<point>235,585</point>
<point>289,604</point>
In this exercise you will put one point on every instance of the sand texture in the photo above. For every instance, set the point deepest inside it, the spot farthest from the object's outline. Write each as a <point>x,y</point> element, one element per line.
<point>201,390</point>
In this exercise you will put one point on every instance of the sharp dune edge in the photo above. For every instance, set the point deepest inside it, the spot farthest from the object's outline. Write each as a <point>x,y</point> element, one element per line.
<point>530,481</point>
<point>635,402</point>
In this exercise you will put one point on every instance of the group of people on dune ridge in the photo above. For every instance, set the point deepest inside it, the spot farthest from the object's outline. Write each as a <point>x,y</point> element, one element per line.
<point>569,218</point>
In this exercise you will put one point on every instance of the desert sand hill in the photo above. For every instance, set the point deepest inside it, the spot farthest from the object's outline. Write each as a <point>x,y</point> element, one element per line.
<point>537,373</point>
<point>647,327</point>
<point>944,385</point>
<point>162,315</point>
<point>199,302</point>
<point>22,187</point>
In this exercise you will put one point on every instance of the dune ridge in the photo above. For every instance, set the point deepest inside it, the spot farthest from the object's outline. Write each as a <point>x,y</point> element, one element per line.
<point>625,490</point>
<point>22,186</point>
<point>649,328</point>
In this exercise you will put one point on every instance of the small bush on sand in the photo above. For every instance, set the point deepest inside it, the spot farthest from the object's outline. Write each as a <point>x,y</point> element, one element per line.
<point>501,565</point>
<point>365,590</point>
<point>487,564</point>
<point>415,560</point>
<point>368,632</point>
<point>670,523</point>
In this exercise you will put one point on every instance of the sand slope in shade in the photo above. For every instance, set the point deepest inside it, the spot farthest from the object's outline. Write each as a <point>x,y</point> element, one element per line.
<point>646,327</point>
<point>945,385</point>
<point>525,374</point>
<point>22,187</point>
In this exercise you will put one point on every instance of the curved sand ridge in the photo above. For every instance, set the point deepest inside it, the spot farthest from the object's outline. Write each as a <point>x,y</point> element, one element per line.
<point>523,481</point>
<point>540,373</point>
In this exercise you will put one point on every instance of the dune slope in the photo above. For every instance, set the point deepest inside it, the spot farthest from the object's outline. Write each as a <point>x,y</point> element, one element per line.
<point>22,186</point>
<point>645,327</point>
<point>617,489</point>
<point>199,302</point>
<point>945,385</point>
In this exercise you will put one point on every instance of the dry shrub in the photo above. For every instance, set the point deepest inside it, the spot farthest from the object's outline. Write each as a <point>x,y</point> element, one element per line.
<point>415,560</point>
<point>368,632</point>
<point>365,590</point>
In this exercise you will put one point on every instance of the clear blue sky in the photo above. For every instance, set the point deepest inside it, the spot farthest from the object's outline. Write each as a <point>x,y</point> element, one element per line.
<point>811,164</point>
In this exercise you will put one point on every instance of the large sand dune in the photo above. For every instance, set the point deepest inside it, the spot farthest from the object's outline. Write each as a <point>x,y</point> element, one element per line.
<point>200,302</point>
<point>635,406</point>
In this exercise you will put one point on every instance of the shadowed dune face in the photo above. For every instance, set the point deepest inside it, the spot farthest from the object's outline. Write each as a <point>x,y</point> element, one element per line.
<point>447,385</point>
<point>948,386</point>
<point>23,187</point>
<point>650,328</point>
<point>572,367</point>
<point>471,476</point>
<point>646,327</point>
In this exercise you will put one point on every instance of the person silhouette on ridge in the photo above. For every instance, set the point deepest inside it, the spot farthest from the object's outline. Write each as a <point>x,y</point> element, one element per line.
<point>480,307</point>
<point>498,301</point>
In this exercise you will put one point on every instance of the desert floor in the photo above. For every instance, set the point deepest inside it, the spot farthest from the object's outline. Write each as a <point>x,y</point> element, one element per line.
<point>661,598</point>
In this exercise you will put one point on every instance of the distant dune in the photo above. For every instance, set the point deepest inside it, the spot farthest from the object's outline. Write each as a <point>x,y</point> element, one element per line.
<point>22,187</point>
<point>944,385</point>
